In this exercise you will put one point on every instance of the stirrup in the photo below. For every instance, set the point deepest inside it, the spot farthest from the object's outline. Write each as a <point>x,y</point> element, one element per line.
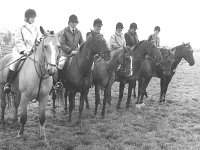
<point>7,88</point>
<point>58,86</point>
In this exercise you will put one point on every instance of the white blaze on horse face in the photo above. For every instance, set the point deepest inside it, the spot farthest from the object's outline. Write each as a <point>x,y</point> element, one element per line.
<point>53,53</point>
<point>131,66</point>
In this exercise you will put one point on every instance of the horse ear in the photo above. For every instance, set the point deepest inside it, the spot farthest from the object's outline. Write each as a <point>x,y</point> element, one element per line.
<point>43,31</point>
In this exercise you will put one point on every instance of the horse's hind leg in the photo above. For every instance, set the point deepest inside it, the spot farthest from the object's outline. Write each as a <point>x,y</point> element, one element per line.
<point>130,88</point>
<point>42,108</point>
<point>3,106</point>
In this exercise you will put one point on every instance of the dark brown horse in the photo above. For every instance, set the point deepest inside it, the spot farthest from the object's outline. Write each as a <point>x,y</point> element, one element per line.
<point>33,80</point>
<point>149,68</point>
<point>104,74</point>
<point>78,75</point>
<point>183,51</point>
<point>140,51</point>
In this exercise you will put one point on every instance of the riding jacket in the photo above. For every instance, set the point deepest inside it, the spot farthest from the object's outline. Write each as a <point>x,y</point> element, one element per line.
<point>25,38</point>
<point>117,41</point>
<point>131,39</point>
<point>70,41</point>
<point>155,39</point>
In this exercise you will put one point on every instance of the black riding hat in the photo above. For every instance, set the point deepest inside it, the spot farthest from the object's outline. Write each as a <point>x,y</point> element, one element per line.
<point>119,25</point>
<point>29,13</point>
<point>157,28</point>
<point>73,18</point>
<point>97,22</point>
<point>133,25</point>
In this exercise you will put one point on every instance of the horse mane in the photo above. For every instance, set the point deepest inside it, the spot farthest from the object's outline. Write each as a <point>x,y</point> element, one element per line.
<point>138,44</point>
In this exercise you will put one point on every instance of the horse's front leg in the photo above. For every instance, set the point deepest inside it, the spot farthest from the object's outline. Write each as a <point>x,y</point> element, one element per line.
<point>81,105</point>
<point>121,92</point>
<point>97,98</point>
<point>162,86</point>
<point>66,94</point>
<point>3,106</point>
<point>130,88</point>
<point>168,79</point>
<point>86,100</point>
<point>134,86</point>
<point>72,94</point>
<point>23,118</point>
<point>140,84</point>
<point>17,99</point>
<point>42,108</point>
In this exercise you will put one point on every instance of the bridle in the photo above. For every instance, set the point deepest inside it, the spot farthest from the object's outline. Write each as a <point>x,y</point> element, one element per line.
<point>42,66</point>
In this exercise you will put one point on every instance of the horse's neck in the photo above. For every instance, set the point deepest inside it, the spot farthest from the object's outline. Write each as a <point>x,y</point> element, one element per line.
<point>85,60</point>
<point>113,63</point>
<point>139,53</point>
<point>178,57</point>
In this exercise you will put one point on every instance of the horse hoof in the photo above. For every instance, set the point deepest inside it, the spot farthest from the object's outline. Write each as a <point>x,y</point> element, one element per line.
<point>138,106</point>
<point>88,107</point>
<point>118,107</point>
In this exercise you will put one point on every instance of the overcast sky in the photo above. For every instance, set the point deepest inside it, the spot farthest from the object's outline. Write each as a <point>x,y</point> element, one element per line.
<point>179,19</point>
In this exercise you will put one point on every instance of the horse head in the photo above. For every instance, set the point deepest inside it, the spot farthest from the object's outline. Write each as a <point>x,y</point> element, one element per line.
<point>144,48</point>
<point>50,48</point>
<point>184,51</point>
<point>153,51</point>
<point>168,60</point>
<point>98,45</point>
<point>125,59</point>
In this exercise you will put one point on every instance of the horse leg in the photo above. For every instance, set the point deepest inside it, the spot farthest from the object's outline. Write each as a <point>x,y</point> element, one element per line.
<point>42,108</point>
<point>3,106</point>
<point>111,81</point>
<point>121,91</point>
<point>139,92</point>
<point>71,103</point>
<point>66,93</point>
<point>54,101</point>
<point>104,102</point>
<point>134,86</point>
<point>168,79</point>
<point>130,88</point>
<point>144,87</point>
<point>162,86</point>
<point>97,98</point>
<point>86,100</point>
<point>23,118</point>
<point>81,105</point>
<point>16,106</point>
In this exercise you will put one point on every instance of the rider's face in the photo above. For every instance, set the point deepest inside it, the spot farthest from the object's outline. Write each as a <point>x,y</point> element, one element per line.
<point>31,20</point>
<point>73,24</point>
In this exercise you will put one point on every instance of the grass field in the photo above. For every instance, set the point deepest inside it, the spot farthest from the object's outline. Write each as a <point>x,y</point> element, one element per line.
<point>174,125</point>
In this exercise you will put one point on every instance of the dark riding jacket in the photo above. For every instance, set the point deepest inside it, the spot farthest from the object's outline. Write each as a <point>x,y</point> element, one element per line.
<point>70,41</point>
<point>131,39</point>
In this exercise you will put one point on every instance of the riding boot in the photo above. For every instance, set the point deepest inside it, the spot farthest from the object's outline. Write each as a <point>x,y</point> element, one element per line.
<point>10,77</point>
<point>59,85</point>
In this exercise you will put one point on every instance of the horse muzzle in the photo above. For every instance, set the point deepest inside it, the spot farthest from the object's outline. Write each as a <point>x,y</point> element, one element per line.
<point>51,69</point>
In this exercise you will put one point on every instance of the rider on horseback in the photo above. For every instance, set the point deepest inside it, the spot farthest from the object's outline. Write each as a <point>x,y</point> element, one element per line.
<point>154,37</point>
<point>70,38</point>
<point>25,39</point>
<point>97,24</point>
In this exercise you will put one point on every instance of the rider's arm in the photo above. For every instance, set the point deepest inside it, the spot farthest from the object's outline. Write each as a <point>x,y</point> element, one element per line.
<point>19,41</point>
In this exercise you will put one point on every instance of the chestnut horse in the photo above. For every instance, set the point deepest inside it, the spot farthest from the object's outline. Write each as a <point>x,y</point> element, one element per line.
<point>33,80</point>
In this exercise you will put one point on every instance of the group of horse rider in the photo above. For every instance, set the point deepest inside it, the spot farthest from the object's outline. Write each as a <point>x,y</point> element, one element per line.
<point>70,39</point>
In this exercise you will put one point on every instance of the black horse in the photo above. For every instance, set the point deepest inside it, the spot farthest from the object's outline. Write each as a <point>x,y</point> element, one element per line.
<point>142,49</point>
<point>183,51</point>
<point>77,75</point>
